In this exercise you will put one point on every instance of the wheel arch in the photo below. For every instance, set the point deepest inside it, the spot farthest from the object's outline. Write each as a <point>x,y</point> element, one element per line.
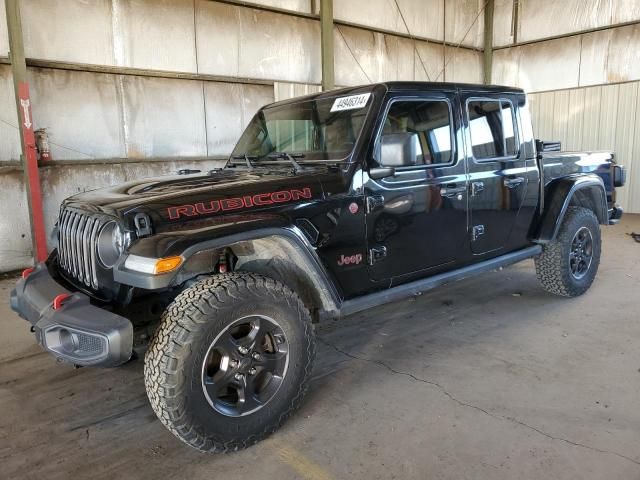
<point>281,253</point>
<point>583,191</point>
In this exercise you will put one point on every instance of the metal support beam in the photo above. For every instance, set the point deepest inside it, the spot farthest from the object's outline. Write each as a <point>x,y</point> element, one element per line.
<point>567,35</point>
<point>515,19</point>
<point>488,41</point>
<point>29,157</point>
<point>140,72</point>
<point>326,40</point>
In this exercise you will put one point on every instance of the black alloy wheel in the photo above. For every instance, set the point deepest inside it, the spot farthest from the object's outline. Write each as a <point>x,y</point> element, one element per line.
<point>245,365</point>
<point>581,253</point>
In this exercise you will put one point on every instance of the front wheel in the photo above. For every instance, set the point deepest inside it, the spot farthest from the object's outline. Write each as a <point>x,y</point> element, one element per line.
<point>230,361</point>
<point>568,265</point>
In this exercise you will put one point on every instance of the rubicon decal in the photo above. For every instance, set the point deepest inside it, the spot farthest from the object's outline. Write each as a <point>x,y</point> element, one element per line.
<point>236,203</point>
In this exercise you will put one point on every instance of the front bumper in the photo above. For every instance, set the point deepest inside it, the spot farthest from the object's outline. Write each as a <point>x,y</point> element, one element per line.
<point>77,331</point>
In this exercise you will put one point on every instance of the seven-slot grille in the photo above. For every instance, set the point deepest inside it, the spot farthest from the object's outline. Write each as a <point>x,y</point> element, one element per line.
<point>77,241</point>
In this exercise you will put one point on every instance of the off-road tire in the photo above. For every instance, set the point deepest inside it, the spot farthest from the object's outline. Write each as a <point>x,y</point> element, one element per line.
<point>553,266</point>
<point>173,363</point>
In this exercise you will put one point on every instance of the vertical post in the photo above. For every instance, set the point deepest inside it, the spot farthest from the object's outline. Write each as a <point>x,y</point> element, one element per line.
<point>488,41</point>
<point>444,40</point>
<point>514,20</point>
<point>27,139</point>
<point>326,40</point>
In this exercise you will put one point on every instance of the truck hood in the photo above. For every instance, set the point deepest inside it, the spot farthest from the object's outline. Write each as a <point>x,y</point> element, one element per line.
<point>183,197</point>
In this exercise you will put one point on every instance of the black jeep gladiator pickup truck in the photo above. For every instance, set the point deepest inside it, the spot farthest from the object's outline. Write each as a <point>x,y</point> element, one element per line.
<point>330,204</point>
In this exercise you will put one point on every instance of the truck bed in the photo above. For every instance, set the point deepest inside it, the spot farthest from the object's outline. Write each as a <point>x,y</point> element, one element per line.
<point>561,164</point>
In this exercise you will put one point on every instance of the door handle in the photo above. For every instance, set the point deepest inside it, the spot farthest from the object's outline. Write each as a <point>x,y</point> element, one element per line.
<point>451,190</point>
<point>513,182</point>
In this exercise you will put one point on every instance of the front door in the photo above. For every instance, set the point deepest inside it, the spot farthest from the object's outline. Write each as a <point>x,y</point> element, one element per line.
<point>498,174</point>
<point>417,218</point>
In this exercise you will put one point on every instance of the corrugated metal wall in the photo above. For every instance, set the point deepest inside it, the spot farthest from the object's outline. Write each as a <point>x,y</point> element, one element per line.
<point>583,57</point>
<point>541,19</point>
<point>105,115</point>
<point>603,117</point>
<point>605,56</point>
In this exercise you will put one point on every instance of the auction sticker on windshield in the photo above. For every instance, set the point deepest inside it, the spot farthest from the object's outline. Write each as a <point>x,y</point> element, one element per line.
<point>351,102</point>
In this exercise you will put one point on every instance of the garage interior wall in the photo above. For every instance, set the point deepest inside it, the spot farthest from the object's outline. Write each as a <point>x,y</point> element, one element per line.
<point>135,88</point>
<point>580,62</point>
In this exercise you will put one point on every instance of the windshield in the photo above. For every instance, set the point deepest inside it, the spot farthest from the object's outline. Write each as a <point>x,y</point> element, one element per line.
<point>322,129</point>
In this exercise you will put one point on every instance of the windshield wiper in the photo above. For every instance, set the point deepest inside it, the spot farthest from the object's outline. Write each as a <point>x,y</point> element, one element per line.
<point>288,156</point>
<point>246,158</point>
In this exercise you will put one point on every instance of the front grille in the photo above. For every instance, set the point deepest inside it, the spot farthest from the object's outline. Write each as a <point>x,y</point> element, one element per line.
<point>77,240</point>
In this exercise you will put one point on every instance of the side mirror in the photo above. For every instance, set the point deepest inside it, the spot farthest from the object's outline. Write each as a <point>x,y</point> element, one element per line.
<point>398,149</point>
<point>381,172</point>
<point>542,146</point>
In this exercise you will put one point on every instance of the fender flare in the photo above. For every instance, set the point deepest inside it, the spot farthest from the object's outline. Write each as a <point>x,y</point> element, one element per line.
<point>297,243</point>
<point>559,197</point>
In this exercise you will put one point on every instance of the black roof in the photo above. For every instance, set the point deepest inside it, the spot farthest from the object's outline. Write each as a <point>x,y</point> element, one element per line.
<point>396,86</point>
<point>400,85</point>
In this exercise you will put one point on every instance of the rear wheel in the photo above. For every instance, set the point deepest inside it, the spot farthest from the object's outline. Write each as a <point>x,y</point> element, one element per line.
<point>568,265</point>
<point>230,361</point>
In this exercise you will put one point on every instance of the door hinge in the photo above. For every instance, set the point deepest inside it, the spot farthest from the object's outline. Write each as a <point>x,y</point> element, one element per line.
<point>374,202</point>
<point>376,254</point>
<point>476,232</point>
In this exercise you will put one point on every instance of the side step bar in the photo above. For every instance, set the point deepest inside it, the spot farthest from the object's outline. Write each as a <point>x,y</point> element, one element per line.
<point>406,290</point>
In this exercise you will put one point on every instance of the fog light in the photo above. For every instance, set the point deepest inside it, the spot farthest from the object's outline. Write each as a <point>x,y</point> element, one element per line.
<point>68,341</point>
<point>75,345</point>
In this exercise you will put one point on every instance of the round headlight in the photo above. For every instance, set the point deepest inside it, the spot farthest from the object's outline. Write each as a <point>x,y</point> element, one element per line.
<point>111,244</point>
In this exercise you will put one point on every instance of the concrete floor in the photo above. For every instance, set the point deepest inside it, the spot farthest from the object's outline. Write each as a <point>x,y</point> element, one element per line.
<point>488,378</point>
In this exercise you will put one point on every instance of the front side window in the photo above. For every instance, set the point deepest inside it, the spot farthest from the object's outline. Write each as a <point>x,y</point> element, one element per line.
<point>430,120</point>
<point>320,129</point>
<point>492,127</point>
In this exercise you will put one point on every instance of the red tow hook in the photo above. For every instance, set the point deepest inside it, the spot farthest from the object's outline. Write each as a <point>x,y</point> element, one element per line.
<point>57,302</point>
<point>26,272</point>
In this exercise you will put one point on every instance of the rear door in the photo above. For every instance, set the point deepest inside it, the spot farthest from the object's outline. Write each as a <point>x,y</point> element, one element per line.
<point>417,218</point>
<point>498,174</point>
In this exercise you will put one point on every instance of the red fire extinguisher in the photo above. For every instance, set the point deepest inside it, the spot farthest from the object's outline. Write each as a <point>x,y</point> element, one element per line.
<point>42,144</point>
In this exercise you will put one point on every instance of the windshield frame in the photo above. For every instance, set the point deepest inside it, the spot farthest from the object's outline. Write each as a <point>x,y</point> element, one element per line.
<point>347,158</point>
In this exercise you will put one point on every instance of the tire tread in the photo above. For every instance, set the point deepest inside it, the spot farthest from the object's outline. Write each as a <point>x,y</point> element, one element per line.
<point>172,343</point>
<point>551,264</point>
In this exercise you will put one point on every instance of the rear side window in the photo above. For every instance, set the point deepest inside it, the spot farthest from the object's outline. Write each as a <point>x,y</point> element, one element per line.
<point>431,121</point>
<point>492,126</point>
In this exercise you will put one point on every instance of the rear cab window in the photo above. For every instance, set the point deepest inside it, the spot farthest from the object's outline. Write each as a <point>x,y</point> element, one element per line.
<point>492,127</point>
